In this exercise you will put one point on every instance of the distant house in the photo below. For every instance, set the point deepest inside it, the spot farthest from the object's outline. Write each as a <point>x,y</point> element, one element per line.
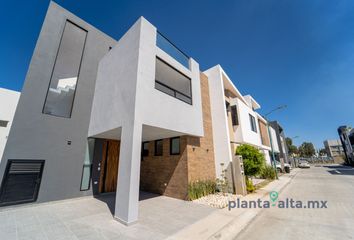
<point>333,148</point>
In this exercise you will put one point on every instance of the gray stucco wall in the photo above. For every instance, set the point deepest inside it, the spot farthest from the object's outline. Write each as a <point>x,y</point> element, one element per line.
<point>35,135</point>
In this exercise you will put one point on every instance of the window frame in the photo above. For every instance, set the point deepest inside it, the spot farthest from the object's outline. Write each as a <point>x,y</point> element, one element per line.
<point>55,61</point>
<point>4,123</point>
<point>155,148</point>
<point>253,123</point>
<point>234,115</point>
<point>142,149</point>
<point>88,165</point>
<point>175,92</point>
<point>179,148</point>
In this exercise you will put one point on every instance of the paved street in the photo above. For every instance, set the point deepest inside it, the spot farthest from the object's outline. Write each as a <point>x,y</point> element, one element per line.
<point>334,184</point>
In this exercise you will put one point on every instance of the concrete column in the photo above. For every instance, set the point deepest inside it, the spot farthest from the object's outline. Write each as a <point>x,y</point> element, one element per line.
<point>127,197</point>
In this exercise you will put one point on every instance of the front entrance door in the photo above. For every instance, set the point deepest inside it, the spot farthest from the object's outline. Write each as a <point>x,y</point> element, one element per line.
<point>109,166</point>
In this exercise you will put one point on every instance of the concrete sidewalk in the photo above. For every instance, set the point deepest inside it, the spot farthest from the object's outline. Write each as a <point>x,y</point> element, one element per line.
<point>160,217</point>
<point>225,224</point>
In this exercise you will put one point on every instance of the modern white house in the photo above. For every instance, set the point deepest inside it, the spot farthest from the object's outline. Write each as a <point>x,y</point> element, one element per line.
<point>235,119</point>
<point>8,104</point>
<point>99,116</point>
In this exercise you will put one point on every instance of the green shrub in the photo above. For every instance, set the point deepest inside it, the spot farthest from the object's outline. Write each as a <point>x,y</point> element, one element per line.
<point>199,189</point>
<point>253,159</point>
<point>268,172</point>
<point>249,185</point>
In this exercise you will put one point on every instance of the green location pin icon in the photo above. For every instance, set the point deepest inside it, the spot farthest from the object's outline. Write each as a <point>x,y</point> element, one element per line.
<point>273,197</point>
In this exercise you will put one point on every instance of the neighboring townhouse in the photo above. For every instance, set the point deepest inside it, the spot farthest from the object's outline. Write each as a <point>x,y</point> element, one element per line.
<point>98,115</point>
<point>333,148</point>
<point>283,149</point>
<point>8,104</point>
<point>234,120</point>
<point>346,136</point>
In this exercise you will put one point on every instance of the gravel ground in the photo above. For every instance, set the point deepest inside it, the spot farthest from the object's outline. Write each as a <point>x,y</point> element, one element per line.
<point>217,200</point>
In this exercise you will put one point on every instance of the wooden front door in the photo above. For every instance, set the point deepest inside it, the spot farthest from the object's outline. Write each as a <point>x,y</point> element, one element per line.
<point>109,166</point>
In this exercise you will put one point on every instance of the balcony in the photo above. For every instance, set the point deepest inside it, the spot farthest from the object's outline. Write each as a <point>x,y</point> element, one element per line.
<point>164,44</point>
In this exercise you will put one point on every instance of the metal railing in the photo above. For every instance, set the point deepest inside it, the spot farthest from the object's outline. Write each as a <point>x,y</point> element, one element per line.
<point>172,92</point>
<point>166,45</point>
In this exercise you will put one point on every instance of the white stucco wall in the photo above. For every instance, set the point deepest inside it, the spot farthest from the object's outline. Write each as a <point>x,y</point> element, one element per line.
<point>8,104</point>
<point>127,107</point>
<point>274,140</point>
<point>125,88</point>
<point>221,136</point>
<point>247,136</point>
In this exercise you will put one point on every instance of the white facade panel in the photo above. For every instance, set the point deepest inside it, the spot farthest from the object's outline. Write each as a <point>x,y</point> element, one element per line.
<point>8,104</point>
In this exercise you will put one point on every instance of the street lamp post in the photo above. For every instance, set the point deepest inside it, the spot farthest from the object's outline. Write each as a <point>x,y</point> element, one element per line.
<point>271,140</point>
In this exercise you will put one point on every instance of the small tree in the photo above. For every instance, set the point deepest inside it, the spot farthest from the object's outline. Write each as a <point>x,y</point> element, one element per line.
<point>307,149</point>
<point>253,160</point>
<point>323,152</point>
<point>291,148</point>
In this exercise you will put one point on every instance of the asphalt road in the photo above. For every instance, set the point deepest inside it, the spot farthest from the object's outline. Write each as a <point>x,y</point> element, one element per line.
<point>334,184</point>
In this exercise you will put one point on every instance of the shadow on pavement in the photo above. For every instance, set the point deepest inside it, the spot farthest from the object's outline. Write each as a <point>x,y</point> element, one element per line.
<point>110,198</point>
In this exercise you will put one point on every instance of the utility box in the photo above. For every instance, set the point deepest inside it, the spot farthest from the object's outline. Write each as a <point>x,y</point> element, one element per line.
<point>238,175</point>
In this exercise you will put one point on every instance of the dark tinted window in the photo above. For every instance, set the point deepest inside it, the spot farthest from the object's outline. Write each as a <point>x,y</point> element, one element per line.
<point>158,148</point>
<point>253,123</point>
<point>145,149</point>
<point>234,115</point>
<point>175,146</point>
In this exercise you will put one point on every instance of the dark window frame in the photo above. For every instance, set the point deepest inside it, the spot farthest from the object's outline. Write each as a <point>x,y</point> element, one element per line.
<point>143,153</point>
<point>155,150</point>
<point>175,92</point>
<point>90,177</point>
<point>79,70</point>
<point>179,149</point>
<point>234,115</point>
<point>253,123</point>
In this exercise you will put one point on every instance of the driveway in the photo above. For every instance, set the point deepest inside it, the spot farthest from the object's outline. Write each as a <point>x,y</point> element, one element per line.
<point>334,184</point>
<point>89,218</point>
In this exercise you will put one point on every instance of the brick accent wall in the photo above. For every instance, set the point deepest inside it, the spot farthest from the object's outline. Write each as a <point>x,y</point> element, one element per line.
<point>169,174</point>
<point>200,154</point>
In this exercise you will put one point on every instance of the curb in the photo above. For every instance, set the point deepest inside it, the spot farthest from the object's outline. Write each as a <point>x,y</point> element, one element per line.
<point>232,229</point>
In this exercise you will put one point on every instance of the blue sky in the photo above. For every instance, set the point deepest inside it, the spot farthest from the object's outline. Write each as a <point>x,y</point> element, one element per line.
<point>299,53</point>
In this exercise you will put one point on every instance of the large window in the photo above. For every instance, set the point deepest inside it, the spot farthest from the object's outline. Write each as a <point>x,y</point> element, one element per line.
<point>253,123</point>
<point>172,82</point>
<point>175,146</point>
<point>63,82</point>
<point>234,116</point>
<point>158,148</point>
